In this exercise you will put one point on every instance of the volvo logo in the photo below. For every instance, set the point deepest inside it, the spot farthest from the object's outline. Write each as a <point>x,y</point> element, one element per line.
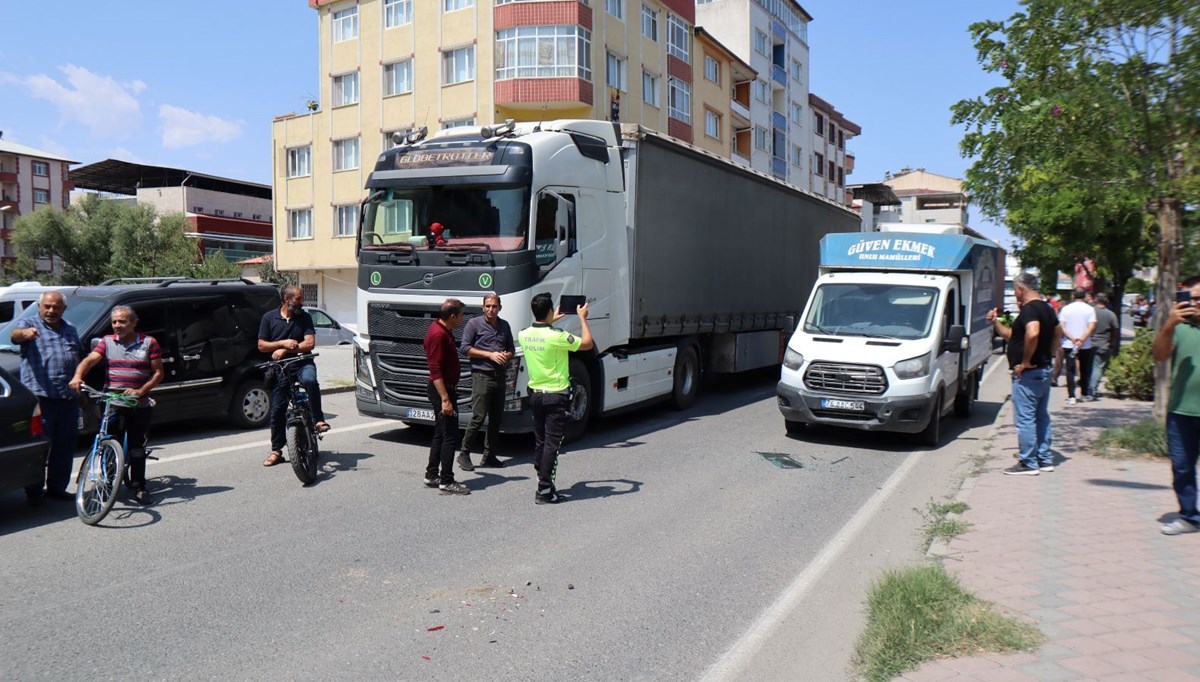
<point>428,279</point>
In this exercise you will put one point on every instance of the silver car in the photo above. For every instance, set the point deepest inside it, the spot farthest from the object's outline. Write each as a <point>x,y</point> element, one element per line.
<point>329,331</point>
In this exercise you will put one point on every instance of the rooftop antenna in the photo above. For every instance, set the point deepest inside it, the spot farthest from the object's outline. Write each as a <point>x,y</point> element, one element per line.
<point>538,128</point>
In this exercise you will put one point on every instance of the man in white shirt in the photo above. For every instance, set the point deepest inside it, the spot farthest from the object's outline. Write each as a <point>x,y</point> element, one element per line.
<point>1078,322</point>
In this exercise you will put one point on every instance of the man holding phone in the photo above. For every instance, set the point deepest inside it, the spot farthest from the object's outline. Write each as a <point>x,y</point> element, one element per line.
<point>548,356</point>
<point>1179,341</point>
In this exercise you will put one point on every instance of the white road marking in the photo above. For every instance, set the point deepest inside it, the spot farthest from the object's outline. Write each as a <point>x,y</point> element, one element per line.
<point>267,443</point>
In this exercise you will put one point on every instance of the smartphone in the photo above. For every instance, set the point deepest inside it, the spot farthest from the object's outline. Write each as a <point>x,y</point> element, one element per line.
<point>568,303</point>
<point>1184,296</point>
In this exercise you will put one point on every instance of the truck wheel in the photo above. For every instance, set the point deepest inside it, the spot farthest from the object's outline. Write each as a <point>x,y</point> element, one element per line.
<point>932,435</point>
<point>964,402</point>
<point>687,378</point>
<point>251,405</point>
<point>794,428</point>
<point>582,406</point>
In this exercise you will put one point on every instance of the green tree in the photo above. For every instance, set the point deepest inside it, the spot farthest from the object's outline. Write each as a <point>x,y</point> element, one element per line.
<point>1104,94</point>
<point>268,274</point>
<point>80,239</point>
<point>216,266</point>
<point>145,244</point>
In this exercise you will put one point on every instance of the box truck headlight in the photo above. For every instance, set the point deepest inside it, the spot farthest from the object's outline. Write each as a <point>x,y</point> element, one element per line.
<point>362,366</point>
<point>792,360</point>
<point>912,367</point>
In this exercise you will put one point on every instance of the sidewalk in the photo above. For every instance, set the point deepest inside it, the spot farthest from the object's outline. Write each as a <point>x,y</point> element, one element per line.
<point>1078,551</point>
<point>335,368</point>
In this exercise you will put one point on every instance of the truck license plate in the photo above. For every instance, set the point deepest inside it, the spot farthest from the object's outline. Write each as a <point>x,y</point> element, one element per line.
<point>418,413</point>
<point>851,405</point>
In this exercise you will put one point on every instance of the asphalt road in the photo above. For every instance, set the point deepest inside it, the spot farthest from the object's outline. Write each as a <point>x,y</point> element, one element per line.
<point>680,538</point>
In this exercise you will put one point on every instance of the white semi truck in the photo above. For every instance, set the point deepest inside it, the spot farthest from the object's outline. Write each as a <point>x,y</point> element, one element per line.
<point>690,263</point>
<point>895,334</point>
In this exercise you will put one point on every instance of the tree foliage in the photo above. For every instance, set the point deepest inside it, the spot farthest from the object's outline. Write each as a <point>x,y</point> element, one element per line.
<point>216,266</point>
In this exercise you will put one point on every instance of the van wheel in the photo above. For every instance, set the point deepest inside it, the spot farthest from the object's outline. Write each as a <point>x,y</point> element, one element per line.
<point>579,412</point>
<point>687,378</point>
<point>932,435</point>
<point>964,402</point>
<point>251,405</point>
<point>794,428</point>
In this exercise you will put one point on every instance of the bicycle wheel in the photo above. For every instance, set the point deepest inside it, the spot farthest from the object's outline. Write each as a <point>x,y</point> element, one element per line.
<point>99,481</point>
<point>303,450</point>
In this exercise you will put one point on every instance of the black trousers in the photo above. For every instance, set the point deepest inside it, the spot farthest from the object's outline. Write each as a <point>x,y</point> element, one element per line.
<point>549,424</point>
<point>1085,357</point>
<point>132,425</point>
<point>487,402</point>
<point>445,435</point>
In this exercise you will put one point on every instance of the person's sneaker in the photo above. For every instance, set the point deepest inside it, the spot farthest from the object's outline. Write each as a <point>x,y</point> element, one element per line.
<point>1070,401</point>
<point>492,461</point>
<point>432,482</point>
<point>1019,469</point>
<point>1046,468</point>
<point>464,462</point>
<point>551,497</point>
<point>454,488</point>
<point>1179,527</point>
<point>1088,398</point>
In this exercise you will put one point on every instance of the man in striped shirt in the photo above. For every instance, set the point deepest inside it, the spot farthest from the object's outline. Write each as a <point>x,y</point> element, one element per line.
<point>134,367</point>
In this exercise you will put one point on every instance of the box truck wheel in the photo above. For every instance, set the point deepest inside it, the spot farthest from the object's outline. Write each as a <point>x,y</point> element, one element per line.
<point>932,434</point>
<point>582,405</point>
<point>964,402</point>
<point>687,378</point>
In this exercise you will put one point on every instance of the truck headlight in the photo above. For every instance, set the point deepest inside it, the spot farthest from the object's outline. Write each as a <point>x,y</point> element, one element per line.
<point>912,367</point>
<point>792,360</point>
<point>362,366</point>
<point>510,375</point>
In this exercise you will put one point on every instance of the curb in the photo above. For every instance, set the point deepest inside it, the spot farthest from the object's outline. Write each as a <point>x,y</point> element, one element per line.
<point>336,389</point>
<point>939,549</point>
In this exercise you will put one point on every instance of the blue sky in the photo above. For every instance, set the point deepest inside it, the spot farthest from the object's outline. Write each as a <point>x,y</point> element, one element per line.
<point>195,84</point>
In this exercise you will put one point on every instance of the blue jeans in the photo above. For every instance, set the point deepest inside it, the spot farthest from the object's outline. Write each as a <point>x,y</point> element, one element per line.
<point>307,375</point>
<point>60,423</point>
<point>1099,364</point>
<point>1031,415</point>
<point>1183,445</point>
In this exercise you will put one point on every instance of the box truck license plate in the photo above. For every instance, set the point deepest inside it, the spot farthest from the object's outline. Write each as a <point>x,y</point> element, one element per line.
<point>851,405</point>
<point>418,413</point>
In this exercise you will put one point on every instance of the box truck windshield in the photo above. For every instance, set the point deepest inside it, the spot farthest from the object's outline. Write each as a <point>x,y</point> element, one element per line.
<point>874,310</point>
<point>494,216</point>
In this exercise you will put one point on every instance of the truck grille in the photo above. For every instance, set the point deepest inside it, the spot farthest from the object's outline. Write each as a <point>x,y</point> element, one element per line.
<point>842,378</point>
<point>398,354</point>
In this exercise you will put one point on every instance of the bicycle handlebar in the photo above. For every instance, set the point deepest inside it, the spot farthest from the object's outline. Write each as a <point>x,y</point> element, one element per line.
<point>121,399</point>
<point>287,361</point>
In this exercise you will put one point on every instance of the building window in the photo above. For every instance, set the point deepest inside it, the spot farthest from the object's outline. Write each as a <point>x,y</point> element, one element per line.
<point>614,72</point>
<point>41,168</point>
<point>451,5</point>
<point>841,175</point>
<point>458,66</point>
<point>797,71</point>
<point>712,124</point>
<point>762,91</point>
<point>345,220</point>
<point>397,78</point>
<point>299,162</point>
<point>345,25</point>
<point>219,211</point>
<point>650,90</point>
<point>797,114</point>
<point>650,22</point>
<point>458,123</point>
<point>543,52</point>
<point>762,43</point>
<point>841,140</point>
<point>615,8</point>
<point>760,138</point>
<point>345,154</point>
<point>831,169</point>
<point>832,134</point>
<point>397,13</point>
<point>41,196</point>
<point>797,155</point>
<point>345,89</point>
<point>679,100</point>
<point>818,164</point>
<point>678,37</point>
<point>819,123</point>
<point>300,224</point>
<point>712,70</point>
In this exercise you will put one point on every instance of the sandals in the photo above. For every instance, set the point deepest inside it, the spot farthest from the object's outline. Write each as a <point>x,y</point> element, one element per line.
<point>322,427</point>
<point>274,458</point>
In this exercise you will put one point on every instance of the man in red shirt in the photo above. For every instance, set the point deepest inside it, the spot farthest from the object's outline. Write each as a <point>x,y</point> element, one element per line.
<point>441,352</point>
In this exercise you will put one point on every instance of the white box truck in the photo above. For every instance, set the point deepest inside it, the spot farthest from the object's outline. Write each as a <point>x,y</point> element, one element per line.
<point>895,333</point>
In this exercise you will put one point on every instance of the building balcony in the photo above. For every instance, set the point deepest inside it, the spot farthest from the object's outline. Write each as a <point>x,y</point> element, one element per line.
<point>533,93</point>
<point>778,167</point>
<point>739,113</point>
<point>8,176</point>
<point>778,120</point>
<point>10,206</point>
<point>849,164</point>
<point>551,13</point>
<point>779,75</point>
<point>738,158</point>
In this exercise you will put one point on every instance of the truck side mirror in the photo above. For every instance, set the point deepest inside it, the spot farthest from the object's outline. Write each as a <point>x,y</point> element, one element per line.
<point>954,339</point>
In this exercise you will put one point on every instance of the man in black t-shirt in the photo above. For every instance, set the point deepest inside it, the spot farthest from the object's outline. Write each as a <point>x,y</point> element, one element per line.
<point>1031,343</point>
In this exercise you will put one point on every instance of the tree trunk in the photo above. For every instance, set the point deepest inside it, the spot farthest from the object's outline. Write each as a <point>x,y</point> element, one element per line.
<point>1168,213</point>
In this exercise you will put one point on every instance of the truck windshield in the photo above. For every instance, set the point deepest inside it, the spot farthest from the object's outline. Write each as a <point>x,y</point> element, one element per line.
<point>875,310</point>
<point>497,217</point>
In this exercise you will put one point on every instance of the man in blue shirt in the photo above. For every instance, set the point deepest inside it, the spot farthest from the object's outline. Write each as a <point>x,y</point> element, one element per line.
<point>488,341</point>
<point>49,355</point>
<point>283,332</point>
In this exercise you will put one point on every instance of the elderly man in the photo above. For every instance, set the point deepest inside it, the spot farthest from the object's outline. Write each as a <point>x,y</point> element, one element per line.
<point>49,355</point>
<point>488,342</point>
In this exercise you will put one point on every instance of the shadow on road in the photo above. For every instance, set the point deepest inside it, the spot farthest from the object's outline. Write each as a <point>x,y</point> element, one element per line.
<point>334,463</point>
<point>170,490</point>
<point>16,515</point>
<point>591,490</point>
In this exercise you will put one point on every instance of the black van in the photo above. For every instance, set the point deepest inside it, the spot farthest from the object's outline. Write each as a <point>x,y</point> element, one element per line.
<point>208,331</point>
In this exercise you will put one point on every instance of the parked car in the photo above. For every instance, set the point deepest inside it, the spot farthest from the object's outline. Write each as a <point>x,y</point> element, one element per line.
<point>16,298</point>
<point>329,331</point>
<point>208,332</point>
<point>22,446</point>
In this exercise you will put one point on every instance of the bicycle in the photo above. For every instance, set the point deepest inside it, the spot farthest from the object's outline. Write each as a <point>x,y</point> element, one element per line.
<point>104,469</point>
<point>302,434</point>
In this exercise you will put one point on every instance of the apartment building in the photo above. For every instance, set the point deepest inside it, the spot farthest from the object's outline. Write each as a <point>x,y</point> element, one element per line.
<point>925,198</point>
<point>830,161</point>
<point>395,65</point>
<point>771,36</point>
<point>29,179</point>
<point>722,99</point>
